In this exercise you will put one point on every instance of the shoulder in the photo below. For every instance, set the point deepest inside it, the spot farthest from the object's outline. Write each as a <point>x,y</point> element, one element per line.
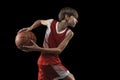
<point>45,22</point>
<point>69,35</point>
<point>70,32</point>
<point>50,21</point>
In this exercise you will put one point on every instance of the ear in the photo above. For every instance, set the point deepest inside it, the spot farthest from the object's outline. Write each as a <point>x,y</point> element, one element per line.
<point>66,17</point>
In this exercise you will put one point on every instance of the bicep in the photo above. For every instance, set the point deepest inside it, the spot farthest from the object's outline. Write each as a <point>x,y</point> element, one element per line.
<point>46,22</point>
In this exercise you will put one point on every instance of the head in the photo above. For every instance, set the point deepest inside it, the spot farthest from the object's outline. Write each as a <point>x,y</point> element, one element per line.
<point>68,14</point>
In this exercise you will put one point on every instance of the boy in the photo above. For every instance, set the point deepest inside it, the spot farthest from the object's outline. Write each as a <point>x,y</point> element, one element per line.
<point>57,36</point>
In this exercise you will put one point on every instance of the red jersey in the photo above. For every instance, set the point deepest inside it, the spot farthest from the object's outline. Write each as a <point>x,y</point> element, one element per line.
<point>52,39</point>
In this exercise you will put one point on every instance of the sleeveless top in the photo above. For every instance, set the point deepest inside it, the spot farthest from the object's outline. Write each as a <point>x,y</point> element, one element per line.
<point>52,39</point>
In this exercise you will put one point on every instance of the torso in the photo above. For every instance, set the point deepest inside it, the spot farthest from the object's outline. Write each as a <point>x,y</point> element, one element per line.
<point>52,39</point>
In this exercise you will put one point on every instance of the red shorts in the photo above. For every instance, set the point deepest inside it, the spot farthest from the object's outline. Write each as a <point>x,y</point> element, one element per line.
<point>52,72</point>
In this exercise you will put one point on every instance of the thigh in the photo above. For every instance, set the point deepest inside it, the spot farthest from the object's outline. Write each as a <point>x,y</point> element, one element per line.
<point>47,72</point>
<point>53,72</point>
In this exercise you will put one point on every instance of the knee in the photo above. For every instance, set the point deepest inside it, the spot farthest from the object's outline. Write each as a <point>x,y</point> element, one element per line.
<point>69,77</point>
<point>72,77</point>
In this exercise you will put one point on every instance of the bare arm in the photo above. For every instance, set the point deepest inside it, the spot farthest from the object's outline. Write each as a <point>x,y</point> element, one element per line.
<point>56,50</point>
<point>61,46</point>
<point>36,24</point>
<point>65,42</point>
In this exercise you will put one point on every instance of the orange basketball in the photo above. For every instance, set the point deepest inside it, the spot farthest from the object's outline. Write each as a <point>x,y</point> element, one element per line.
<point>24,38</point>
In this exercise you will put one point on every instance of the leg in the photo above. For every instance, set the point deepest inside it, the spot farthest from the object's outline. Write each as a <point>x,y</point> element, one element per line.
<point>69,77</point>
<point>63,73</point>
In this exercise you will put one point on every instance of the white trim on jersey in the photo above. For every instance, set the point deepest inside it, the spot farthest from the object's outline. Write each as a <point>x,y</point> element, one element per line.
<point>57,29</point>
<point>61,31</point>
<point>68,31</point>
<point>45,44</point>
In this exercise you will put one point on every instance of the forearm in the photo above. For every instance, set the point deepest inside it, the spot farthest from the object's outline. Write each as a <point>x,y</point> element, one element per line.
<point>35,24</point>
<point>49,50</point>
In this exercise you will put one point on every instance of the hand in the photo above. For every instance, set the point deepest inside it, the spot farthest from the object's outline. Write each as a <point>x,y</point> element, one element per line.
<point>24,29</point>
<point>34,47</point>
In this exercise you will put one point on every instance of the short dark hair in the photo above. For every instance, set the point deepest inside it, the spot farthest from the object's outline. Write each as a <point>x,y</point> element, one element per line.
<point>69,11</point>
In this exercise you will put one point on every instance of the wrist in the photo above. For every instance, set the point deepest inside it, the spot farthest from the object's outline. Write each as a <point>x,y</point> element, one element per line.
<point>30,28</point>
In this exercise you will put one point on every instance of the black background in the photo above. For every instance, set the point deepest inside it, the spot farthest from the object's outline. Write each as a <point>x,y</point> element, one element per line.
<point>85,56</point>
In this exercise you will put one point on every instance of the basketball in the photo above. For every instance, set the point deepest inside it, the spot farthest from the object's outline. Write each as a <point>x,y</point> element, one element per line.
<point>24,38</point>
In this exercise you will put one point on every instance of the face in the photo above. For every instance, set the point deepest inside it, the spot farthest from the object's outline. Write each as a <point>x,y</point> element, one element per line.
<point>72,21</point>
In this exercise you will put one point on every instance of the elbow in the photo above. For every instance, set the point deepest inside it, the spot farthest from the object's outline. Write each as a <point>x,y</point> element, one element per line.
<point>59,51</point>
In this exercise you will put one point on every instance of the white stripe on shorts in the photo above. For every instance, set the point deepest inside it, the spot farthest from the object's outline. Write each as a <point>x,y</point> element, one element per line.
<point>62,74</point>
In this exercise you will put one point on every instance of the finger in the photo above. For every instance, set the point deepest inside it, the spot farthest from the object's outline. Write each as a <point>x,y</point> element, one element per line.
<point>21,30</point>
<point>34,43</point>
<point>26,47</point>
<point>25,50</point>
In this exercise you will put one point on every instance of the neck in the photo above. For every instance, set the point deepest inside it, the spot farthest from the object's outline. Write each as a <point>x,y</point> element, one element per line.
<point>62,25</point>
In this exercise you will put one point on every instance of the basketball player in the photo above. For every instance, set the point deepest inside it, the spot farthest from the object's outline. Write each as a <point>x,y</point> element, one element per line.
<point>57,36</point>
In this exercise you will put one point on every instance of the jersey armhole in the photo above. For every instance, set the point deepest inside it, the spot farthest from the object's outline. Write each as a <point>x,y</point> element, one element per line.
<point>68,32</point>
<point>50,22</point>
